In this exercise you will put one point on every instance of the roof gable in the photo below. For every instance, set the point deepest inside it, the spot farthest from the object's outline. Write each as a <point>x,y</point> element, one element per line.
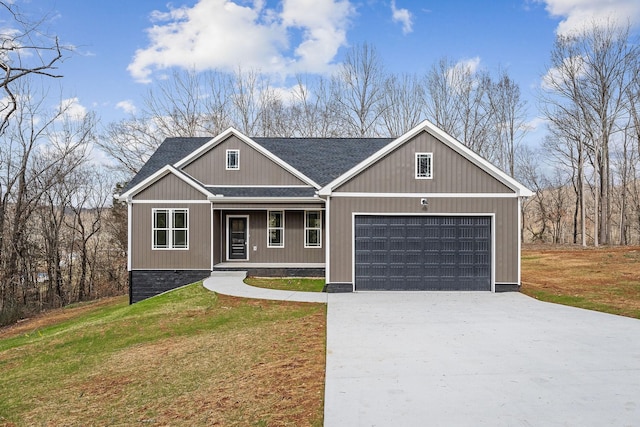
<point>255,168</point>
<point>248,141</point>
<point>442,137</point>
<point>158,176</point>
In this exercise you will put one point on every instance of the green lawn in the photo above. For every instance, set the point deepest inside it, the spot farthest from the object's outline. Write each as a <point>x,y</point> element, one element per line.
<point>188,357</point>
<point>287,283</point>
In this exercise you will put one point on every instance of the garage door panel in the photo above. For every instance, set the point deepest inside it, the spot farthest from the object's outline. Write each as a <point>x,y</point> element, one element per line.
<point>422,253</point>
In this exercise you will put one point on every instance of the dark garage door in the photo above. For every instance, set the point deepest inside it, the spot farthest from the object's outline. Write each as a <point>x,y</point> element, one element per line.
<point>422,253</point>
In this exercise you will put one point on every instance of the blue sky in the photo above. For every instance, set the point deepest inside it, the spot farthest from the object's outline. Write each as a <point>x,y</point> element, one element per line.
<point>122,46</point>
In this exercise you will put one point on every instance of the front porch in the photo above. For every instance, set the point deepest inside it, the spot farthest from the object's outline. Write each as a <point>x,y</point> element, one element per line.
<point>263,269</point>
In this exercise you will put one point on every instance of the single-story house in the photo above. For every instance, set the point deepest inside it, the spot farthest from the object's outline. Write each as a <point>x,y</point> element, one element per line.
<point>417,212</point>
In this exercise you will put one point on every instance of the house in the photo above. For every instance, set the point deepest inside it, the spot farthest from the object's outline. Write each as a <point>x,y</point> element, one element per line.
<point>418,212</point>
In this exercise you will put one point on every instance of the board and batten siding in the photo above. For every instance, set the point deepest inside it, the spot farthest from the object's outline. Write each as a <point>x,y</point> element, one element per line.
<point>197,257</point>
<point>293,252</point>
<point>452,173</point>
<point>170,187</point>
<point>255,167</point>
<point>506,230</point>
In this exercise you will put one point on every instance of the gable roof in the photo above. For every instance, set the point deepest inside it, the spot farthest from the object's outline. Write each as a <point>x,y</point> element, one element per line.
<point>161,173</point>
<point>317,161</point>
<point>426,126</point>
<point>323,159</point>
<point>169,152</point>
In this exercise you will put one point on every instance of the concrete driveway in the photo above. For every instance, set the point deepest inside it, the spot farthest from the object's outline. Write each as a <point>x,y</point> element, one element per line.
<point>477,359</point>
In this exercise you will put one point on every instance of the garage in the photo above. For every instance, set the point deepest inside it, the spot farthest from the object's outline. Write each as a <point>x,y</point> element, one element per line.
<point>422,253</point>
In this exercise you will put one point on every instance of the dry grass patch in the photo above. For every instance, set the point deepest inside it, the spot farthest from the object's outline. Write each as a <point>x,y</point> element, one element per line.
<point>604,279</point>
<point>197,359</point>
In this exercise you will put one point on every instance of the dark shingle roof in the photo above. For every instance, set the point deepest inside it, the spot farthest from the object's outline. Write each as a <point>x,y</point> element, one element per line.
<point>263,191</point>
<point>169,152</point>
<point>321,159</point>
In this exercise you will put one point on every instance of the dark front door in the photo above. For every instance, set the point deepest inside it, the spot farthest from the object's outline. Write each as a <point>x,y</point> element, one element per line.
<point>237,238</point>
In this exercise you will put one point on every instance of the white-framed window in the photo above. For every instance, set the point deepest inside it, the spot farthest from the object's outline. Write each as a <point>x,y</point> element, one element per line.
<point>275,229</point>
<point>312,229</point>
<point>170,229</point>
<point>233,159</point>
<point>424,165</point>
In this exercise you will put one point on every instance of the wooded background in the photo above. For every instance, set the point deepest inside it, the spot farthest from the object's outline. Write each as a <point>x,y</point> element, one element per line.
<point>63,237</point>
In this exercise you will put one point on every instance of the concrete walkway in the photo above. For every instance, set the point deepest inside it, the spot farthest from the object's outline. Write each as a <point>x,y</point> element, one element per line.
<point>231,283</point>
<point>469,359</point>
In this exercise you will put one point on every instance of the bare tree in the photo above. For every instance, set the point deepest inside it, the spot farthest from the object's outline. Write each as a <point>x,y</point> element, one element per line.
<point>358,89</point>
<point>39,148</point>
<point>509,116</point>
<point>314,110</point>
<point>402,108</point>
<point>24,51</point>
<point>457,102</point>
<point>590,73</point>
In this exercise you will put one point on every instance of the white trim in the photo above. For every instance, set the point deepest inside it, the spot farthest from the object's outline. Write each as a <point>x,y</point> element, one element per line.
<point>129,235</point>
<point>258,186</point>
<point>281,228</point>
<point>170,269</point>
<point>430,157</point>
<point>492,215</point>
<point>231,131</point>
<point>222,199</point>
<point>171,202</point>
<point>246,240</point>
<point>170,228</point>
<point>427,195</point>
<point>161,173</point>
<point>229,151</point>
<point>211,237</point>
<point>264,208</point>
<point>447,139</point>
<point>306,246</point>
<point>519,241</point>
<point>327,232</point>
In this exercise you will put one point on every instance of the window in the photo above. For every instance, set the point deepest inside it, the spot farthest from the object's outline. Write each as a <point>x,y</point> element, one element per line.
<point>424,169</point>
<point>233,159</point>
<point>275,229</point>
<point>170,229</point>
<point>312,229</point>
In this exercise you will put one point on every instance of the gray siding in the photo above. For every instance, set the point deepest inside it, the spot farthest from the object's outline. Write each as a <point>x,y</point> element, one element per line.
<point>452,173</point>
<point>293,251</point>
<point>506,227</point>
<point>197,257</point>
<point>255,168</point>
<point>170,187</point>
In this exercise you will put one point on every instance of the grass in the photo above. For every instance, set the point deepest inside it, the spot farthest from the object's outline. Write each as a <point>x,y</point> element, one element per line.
<point>287,284</point>
<point>191,357</point>
<point>188,357</point>
<point>604,279</point>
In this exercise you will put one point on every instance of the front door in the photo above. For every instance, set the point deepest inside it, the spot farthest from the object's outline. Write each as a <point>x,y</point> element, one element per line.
<point>237,238</point>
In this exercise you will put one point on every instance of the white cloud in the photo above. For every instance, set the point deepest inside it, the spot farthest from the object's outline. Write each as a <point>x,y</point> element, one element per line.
<point>72,109</point>
<point>402,16</point>
<point>471,65</point>
<point>127,106</point>
<point>559,76</point>
<point>577,13</point>
<point>225,34</point>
